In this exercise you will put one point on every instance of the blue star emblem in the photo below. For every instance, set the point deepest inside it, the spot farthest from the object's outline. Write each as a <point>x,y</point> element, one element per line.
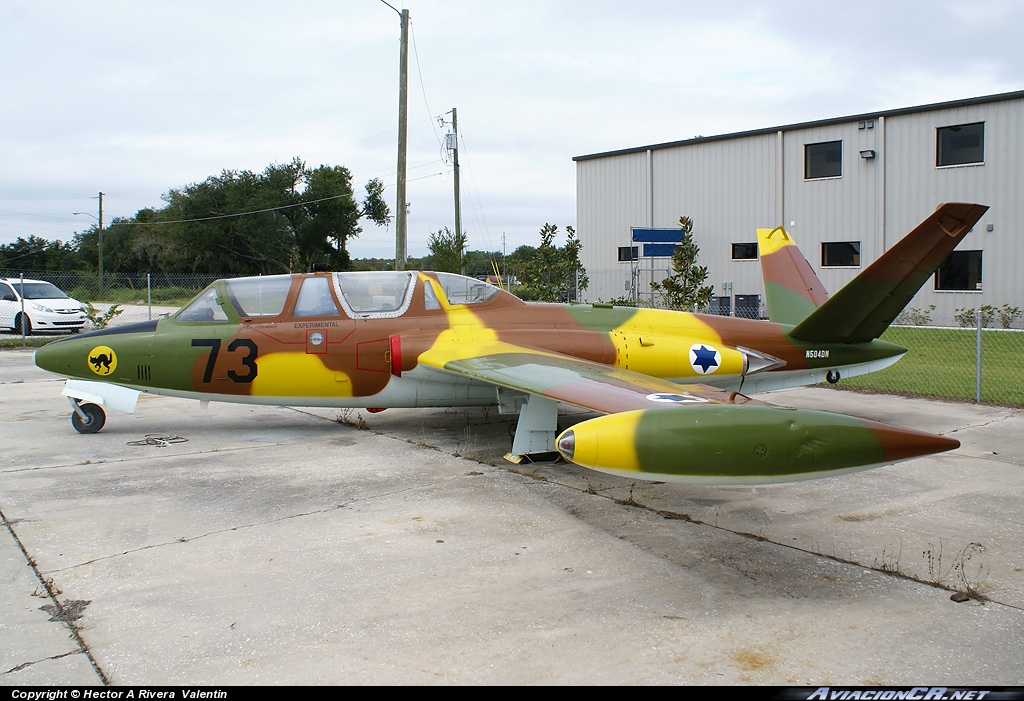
<point>704,358</point>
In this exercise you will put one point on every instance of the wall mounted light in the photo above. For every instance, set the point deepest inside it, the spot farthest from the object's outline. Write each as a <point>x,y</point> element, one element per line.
<point>867,153</point>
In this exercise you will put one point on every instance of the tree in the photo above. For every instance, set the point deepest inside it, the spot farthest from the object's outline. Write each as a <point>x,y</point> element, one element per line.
<point>446,250</point>
<point>684,289</point>
<point>330,216</point>
<point>286,218</point>
<point>234,222</point>
<point>551,274</point>
<point>35,253</point>
<point>477,263</point>
<point>154,249</point>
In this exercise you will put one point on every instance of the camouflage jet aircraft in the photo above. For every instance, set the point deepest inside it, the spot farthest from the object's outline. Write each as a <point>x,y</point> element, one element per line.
<point>667,383</point>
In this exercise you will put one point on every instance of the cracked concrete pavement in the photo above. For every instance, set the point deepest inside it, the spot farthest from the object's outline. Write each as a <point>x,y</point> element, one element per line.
<point>296,546</point>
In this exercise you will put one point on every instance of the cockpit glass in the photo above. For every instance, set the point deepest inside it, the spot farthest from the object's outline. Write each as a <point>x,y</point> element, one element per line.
<point>375,293</point>
<point>460,289</point>
<point>315,298</point>
<point>429,298</point>
<point>204,308</point>
<point>259,296</point>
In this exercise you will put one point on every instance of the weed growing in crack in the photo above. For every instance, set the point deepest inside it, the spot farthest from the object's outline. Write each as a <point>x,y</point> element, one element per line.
<point>889,561</point>
<point>966,570</point>
<point>970,574</point>
<point>346,418</point>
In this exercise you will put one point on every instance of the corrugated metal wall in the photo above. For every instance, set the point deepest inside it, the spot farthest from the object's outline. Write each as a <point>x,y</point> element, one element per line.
<point>728,188</point>
<point>731,186</point>
<point>915,185</point>
<point>607,219</point>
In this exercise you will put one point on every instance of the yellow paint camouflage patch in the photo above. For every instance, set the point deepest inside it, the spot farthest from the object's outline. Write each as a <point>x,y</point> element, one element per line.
<point>299,375</point>
<point>771,240</point>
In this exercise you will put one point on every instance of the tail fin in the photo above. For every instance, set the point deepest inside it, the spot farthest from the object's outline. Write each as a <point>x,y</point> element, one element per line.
<point>865,307</point>
<point>792,290</point>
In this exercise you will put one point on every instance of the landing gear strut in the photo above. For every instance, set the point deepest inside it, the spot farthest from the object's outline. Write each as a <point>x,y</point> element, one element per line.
<point>87,418</point>
<point>535,432</point>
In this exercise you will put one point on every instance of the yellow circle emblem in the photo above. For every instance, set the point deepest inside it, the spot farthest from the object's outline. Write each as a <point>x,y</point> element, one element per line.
<point>102,360</point>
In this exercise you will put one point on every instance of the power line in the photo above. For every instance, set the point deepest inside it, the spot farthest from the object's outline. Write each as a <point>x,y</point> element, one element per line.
<point>419,73</point>
<point>245,214</point>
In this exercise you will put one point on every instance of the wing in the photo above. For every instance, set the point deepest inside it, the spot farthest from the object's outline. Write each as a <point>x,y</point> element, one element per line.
<point>571,380</point>
<point>721,437</point>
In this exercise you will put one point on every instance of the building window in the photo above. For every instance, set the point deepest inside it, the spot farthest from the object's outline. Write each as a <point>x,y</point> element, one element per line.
<point>824,160</point>
<point>960,144</point>
<point>960,271</point>
<point>744,251</point>
<point>840,254</point>
<point>628,253</point>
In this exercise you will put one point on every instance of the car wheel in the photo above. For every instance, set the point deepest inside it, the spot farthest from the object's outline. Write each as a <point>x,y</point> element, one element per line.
<point>93,421</point>
<point>23,325</point>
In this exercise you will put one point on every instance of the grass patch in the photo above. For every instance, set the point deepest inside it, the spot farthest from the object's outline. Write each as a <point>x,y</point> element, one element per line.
<point>30,342</point>
<point>164,296</point>
<point>941,363</point>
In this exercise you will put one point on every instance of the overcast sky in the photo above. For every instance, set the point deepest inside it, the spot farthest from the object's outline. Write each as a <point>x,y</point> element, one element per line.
<point>135,98</point>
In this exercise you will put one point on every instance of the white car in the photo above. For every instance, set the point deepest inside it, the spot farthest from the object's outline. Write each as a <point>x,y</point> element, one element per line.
<point>44,307</point>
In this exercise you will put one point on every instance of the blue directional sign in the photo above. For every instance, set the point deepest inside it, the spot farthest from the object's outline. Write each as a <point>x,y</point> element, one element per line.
<point>657,235</point>
<point>659,250</point>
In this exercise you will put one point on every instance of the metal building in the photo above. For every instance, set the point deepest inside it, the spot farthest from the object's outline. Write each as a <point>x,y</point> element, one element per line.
<point>846,189</point>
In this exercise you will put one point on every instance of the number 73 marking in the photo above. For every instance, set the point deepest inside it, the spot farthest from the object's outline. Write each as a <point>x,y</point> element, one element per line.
<point>248,346</point>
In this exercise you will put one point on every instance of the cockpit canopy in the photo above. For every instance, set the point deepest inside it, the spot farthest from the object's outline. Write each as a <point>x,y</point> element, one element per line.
<point>459,289</point>
<point>363,295</point>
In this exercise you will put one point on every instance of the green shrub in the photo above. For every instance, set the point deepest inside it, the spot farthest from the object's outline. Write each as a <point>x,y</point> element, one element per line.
<point>967,318</point>
<point>1007,315</point>
<point>100,320</point>
<point>915,316</point>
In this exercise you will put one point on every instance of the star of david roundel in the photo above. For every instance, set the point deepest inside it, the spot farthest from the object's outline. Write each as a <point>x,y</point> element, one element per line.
<point>704,359</point>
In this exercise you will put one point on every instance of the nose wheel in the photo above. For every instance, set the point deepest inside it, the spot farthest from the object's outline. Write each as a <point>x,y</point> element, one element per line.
<point>87,418</point>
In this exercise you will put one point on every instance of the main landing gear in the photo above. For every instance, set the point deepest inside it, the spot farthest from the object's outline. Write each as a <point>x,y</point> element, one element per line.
<point>87,418</point>
<point>535,432</point>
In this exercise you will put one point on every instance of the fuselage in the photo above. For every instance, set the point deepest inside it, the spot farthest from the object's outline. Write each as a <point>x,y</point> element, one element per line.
<point>356,339</point>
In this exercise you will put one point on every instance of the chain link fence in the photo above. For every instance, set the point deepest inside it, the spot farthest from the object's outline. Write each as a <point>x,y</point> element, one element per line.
<point>977,355</point>
<point>116,300</point>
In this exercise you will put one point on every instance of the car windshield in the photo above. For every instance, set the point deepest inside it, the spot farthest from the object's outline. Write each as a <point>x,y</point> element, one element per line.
<point>40,290</point>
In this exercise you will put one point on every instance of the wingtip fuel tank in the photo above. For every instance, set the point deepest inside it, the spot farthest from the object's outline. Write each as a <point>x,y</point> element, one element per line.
<point>740,443</point>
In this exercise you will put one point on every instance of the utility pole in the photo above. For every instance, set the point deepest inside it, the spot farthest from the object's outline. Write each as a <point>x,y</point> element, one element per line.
<point>99,240</point>
<point>451,144</point>
<point>401,231</point>
<point>100,243</point>
<point>455,157</point>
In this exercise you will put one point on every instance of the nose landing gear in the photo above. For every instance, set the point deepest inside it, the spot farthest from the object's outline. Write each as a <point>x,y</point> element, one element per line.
<point>87,418</point>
